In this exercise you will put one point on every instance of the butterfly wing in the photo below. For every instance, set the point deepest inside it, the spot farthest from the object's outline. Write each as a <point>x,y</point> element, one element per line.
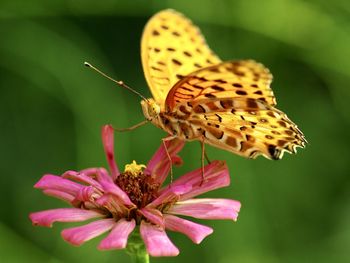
<point>246,127</point>
<point>172,47</point>
<point>232,79</point>
<point>232,105</point>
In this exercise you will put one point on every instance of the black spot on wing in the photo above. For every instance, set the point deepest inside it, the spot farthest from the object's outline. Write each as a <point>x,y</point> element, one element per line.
<point>176,62</point>
<point>209,95</point>
<point>219,117</point>
<point>274,152</point>
<point>218,88</point>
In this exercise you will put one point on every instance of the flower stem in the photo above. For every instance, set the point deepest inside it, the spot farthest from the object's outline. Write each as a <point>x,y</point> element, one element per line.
<point>136,248</point>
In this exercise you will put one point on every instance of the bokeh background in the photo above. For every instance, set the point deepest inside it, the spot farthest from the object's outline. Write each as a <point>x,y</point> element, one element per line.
<point>52,109</point>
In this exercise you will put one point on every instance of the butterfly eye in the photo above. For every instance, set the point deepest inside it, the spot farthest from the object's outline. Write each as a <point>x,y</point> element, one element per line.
<point>155,108</point>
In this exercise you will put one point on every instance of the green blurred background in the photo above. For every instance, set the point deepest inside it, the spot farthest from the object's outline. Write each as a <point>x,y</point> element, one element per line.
<point>52,109</point>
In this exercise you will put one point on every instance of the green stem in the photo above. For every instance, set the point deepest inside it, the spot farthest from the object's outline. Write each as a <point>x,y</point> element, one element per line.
<point>136,248</point>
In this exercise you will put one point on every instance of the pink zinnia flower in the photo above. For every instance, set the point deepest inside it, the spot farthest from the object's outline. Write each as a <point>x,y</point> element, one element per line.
<point>120,201</point>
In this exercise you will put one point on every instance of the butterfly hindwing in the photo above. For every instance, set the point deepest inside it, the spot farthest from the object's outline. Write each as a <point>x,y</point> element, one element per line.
<point>247,127</point>
<point>232,79</point>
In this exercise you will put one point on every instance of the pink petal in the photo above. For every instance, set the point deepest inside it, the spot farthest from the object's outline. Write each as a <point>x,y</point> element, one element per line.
<point>48,217</point>
<point>157,242</point>
<point>78,235</point>
<point>207,208</point>
<point>118,237</point>
<point>54,182</point>
<point>112,204</point>
<point>60,195</point>
<point>106,200</point>
<point>153,215</point>
<point>159,166</point>
<point>216,175</point>
<point>108,144</point>
<point>111,188</point>
<point>85,176</point>
<point>170,195</point>
<point>85,194</point>
<point>194,231</point>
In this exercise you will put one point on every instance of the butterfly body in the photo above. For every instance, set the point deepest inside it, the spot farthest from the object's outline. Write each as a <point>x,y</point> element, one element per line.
<point>170,122</point>
<point>209,127</point>
<point>196,96</point>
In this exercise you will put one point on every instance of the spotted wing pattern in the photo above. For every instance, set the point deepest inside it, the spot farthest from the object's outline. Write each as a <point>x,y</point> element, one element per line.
<point>244,126</point>
<point>232,79</point>
<point>172,47</point>
<point>232,105</point>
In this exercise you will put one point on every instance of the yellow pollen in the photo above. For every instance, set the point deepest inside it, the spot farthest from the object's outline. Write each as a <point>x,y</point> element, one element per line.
<point>134,168</point>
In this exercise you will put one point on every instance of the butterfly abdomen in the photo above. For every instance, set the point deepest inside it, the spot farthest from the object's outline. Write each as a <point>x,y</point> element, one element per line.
<point>177,126</point>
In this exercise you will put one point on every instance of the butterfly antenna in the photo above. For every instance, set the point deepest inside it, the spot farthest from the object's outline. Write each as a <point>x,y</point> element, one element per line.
<point>118,82</point>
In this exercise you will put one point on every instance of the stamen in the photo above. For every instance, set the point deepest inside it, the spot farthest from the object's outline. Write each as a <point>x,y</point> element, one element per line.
<point>134,168</point>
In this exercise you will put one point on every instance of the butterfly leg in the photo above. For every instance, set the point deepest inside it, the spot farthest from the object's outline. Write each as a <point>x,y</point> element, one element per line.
<point>204,155</point>
<point>164,140</point>
<point>132,127</point>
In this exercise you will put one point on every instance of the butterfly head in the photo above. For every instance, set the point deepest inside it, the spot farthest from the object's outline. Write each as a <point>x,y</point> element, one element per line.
<point>150,109</point>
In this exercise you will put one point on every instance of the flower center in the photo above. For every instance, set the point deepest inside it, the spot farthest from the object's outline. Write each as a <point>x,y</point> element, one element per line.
<point>140,187</point>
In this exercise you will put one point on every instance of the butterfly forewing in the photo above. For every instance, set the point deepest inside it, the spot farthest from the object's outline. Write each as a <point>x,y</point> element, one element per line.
<point>172,47</point>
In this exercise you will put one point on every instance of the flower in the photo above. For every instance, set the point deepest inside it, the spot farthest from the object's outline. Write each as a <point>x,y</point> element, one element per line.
<point>121,201</point>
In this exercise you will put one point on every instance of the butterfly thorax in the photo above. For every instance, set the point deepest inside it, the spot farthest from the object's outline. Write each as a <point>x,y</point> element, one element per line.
<point>170,122</point>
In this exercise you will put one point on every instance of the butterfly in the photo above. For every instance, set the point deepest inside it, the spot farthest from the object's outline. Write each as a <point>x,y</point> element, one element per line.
<point>196,96</point>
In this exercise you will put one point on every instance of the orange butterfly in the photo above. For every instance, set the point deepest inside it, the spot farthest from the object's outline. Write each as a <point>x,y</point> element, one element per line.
<point>196,96</point>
